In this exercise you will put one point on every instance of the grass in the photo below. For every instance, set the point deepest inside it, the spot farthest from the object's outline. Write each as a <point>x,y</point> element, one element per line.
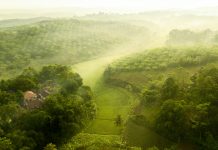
<point>142,136</point>
<point>85,141</point>
<point>111,102</point>
<point>94,142</point>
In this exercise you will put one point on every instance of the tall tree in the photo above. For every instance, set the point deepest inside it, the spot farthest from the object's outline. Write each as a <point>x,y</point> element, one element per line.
<point>169,89</point>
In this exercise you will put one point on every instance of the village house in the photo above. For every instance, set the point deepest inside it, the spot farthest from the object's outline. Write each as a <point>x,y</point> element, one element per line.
<point>31,100</point>
<point>34,100</point>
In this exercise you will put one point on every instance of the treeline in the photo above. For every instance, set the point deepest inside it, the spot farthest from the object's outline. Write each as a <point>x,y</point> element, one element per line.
<point>164,58</point>
<point>63,112</point>
<point>190,38</point>
<point>58,41</point>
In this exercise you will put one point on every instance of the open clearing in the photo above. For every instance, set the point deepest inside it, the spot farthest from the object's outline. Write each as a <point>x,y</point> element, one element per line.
<point>112,101</point>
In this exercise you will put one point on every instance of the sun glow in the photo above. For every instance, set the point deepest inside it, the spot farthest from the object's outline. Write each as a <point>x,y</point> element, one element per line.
<point>108,4</point>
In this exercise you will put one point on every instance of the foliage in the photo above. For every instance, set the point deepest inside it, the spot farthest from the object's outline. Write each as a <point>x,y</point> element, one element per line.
<point>96,142</point>
<point>164,58</point>
<point>62,41</point>
<point>153,148</point>
<point>7,97</point>
<point>205,85</point>
<point>194,118</point>
<point>189,38</point>
<point>50,146</point>
<point>169,89</point>
<point>68,116</point>
<point>172,120</point>
<point>5,144</point>
<point>150,96</point>
<point>61,116</point>
<point>180,95</point>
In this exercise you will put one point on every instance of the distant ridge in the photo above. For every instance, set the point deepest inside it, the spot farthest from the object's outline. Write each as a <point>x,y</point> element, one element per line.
<point>18,22</point>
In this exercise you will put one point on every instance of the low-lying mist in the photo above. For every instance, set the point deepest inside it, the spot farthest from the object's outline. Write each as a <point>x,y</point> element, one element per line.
<point>104,78</point>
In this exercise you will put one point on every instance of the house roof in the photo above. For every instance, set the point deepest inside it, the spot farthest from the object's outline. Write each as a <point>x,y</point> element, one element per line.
<point>28,95</point>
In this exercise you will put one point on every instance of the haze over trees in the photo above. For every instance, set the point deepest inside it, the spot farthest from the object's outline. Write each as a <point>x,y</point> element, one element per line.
<point>178,91</point>
<point>62,41</point>
<point>110,81</point>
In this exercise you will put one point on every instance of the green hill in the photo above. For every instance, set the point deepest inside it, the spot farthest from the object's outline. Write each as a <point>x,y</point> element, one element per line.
<point>154,65</point>
<point>64,41</point>
<point>178,90</point>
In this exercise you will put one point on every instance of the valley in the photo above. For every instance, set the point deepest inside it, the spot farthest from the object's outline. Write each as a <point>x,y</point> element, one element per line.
<point>110,81</point>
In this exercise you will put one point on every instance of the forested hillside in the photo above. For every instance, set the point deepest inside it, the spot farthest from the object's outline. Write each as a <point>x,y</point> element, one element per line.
<point>65,41</point>
<point>161,59</point>
<point>178,89</point>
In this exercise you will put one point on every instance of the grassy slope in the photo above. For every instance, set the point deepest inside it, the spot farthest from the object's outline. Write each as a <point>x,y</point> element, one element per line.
<point>137,135</point>
<point>97,142</point>
<point>111,101</point>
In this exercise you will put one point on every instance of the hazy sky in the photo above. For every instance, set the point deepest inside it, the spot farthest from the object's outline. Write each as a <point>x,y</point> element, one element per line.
<point>108,4</point>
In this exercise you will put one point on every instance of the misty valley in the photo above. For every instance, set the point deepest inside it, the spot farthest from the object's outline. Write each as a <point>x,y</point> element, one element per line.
<point>110,81</point>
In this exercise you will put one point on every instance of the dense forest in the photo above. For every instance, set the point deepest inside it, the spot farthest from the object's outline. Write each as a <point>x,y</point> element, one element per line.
<point>38,108</point>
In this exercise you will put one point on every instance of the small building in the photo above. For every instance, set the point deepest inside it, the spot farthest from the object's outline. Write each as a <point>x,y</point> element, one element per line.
<point>31,100</point>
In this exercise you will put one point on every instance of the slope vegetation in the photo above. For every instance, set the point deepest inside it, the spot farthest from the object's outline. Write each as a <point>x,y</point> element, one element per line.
<point>65,41</point>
